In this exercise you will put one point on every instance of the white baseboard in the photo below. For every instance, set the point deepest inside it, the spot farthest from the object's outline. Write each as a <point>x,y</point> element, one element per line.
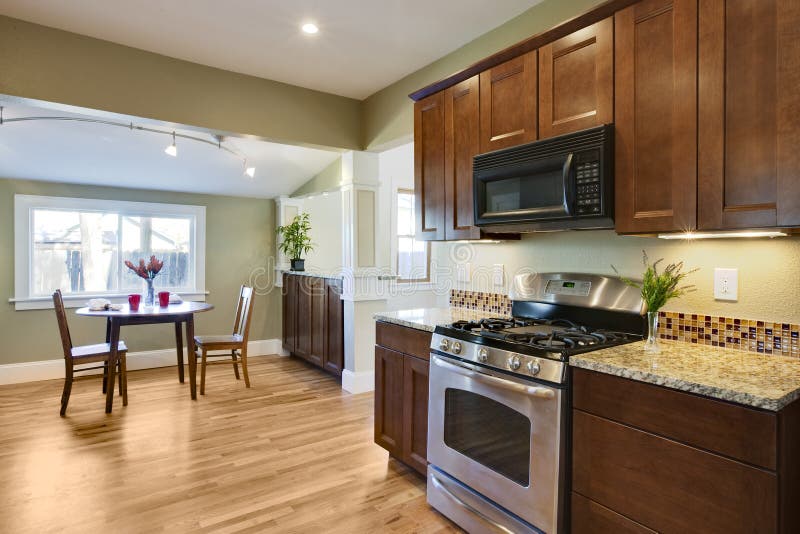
<point>358,382</point>
<point>16,373</point>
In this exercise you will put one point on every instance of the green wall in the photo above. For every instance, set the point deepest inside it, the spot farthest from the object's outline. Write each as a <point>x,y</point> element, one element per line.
<point>327,179</point>
<point>41,63</point>
<point>240,240</point>
<point>388,115</point>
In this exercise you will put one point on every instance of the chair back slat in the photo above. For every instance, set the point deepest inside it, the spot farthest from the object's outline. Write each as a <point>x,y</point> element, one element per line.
<point>63,327</point>
<point>241,326</point>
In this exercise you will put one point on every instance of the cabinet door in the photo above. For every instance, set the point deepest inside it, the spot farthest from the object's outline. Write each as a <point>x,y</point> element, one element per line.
<point>429,167</point>
<point>462,142</point>
<point>576,80</point>
<point>415,413</point>
<point>508,103</point>
<point>389,400</point>
<point>334,327</point>
<point>317,323</point>
<point>289,298</point>
<point>303,323</point>
<point>655,95</point>
<point>749,101</point>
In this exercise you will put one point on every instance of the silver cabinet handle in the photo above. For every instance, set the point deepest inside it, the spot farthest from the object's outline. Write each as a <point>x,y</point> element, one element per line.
<point>439,486</point>
<point>535,391</point>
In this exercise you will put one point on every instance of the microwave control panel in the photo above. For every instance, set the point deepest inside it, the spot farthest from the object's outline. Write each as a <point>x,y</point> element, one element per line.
<point>588,186</point>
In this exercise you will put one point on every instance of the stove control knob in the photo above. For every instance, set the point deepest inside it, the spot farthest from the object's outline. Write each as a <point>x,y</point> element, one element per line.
<point>444,344</point>
<point>513,363</point>
<point>483,355</point>
<point>456,348</point>
<point>534,367</point>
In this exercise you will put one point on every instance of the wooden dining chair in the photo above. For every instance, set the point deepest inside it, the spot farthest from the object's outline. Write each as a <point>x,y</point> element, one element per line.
<point>86,354</point>
<point>234,345</point>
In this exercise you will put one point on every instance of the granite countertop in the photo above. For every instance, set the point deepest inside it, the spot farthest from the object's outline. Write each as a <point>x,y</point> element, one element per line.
<point>761,381</point>
<point>429,318</point>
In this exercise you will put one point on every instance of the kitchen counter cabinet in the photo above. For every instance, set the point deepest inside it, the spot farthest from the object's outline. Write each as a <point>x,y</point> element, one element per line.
<point>401,393</point>
<point>313,320</point>
<point>648,458</point>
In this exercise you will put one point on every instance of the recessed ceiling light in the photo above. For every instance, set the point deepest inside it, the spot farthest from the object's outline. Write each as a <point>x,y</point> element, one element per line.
<point>310,28</point>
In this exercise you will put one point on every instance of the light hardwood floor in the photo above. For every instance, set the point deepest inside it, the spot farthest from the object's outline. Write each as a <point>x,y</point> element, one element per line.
<point>292,454</point>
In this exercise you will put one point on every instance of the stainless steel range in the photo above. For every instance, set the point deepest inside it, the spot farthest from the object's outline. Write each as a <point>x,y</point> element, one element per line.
<point>498,416</point>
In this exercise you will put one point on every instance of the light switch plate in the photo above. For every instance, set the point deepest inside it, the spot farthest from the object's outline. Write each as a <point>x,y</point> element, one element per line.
<point>726,284</point>
<point>498,274</point>
<point>464,272</point>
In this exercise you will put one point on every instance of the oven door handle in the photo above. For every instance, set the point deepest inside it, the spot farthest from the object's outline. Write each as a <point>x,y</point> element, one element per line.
<point>534,391</point>
<point>447,493</point>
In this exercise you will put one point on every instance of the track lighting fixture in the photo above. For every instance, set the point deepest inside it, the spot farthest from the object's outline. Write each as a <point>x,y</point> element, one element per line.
<point>172,150</point>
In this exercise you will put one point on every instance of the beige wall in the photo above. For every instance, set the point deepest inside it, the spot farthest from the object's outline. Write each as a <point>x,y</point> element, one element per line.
<point>327,179</point>
<point>240,240</point>
<point>388,117</point>
<point>769,269</point>
<point>37,62</point>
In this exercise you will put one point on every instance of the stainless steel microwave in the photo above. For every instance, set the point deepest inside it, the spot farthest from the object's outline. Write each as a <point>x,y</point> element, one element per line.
<point>561,183</point>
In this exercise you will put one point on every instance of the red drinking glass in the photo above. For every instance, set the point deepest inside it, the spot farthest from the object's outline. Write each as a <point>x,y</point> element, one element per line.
<point>163,298</point>
<point>133,301</point>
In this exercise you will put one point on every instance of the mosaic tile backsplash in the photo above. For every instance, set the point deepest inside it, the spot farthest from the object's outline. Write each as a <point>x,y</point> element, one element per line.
<point>476,300</point>
<point>744,334</point>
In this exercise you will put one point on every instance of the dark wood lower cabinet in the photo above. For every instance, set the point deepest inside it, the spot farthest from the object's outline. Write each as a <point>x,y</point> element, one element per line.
<point>313,320</point>
<point>637,468</point>
<point>401,394</point>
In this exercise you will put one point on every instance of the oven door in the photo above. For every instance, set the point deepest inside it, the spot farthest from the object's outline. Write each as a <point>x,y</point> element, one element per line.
<point>533,190</point>
<point>498,435</point>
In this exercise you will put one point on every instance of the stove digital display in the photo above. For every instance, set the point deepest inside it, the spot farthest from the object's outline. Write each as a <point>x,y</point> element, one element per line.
<point>577,288</point>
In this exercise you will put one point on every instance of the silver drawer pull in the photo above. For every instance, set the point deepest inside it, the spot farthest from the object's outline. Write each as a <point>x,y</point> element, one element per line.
<point>446,492</point>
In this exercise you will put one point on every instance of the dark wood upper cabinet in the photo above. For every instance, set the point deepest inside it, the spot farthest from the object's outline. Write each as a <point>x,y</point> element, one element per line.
<point>508,103</point>
<point>576,80</point>
<point>655,93</point>
<point>749,100</point>
<point>462,143</point>
<point>429,162</point>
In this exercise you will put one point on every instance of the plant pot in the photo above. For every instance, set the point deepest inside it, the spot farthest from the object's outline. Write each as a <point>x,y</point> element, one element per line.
<point>298,265</point>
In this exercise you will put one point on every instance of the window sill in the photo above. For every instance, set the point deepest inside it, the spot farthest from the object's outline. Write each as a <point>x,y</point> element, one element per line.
<point>79,301</point>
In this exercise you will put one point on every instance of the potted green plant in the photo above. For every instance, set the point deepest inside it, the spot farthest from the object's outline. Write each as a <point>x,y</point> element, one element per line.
<point>295,240</point>
<point>658,288</point>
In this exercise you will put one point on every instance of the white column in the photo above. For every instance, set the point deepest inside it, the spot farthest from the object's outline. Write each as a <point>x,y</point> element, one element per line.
<point>364,262</point>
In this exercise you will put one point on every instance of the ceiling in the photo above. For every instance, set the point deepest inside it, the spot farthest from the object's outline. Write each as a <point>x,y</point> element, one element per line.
<point>96,154</point>
<point>362,45</point>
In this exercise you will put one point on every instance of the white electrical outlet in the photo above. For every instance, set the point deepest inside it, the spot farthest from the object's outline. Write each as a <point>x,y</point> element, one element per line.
<point>464,272</point>
<point>498,274</point>
<point>726,284</point>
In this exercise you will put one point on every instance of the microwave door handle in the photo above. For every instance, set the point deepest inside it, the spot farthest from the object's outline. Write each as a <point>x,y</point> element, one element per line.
<point>566,174</point>
<point>534,391</point>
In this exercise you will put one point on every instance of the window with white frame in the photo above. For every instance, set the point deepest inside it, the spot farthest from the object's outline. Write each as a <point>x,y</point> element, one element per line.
<point>413,257</point>
<point>80,246</point>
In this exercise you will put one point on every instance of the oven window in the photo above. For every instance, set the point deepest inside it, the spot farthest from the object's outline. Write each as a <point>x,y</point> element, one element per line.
<point>540,190</point>
<point>488,432</point>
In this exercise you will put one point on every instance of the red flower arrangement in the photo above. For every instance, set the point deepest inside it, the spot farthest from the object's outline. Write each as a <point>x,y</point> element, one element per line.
<point>148,271</point>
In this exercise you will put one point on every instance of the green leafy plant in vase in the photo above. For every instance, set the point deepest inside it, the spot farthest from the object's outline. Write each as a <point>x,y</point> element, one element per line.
<point>657,289</point>
<point>295,241</point>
